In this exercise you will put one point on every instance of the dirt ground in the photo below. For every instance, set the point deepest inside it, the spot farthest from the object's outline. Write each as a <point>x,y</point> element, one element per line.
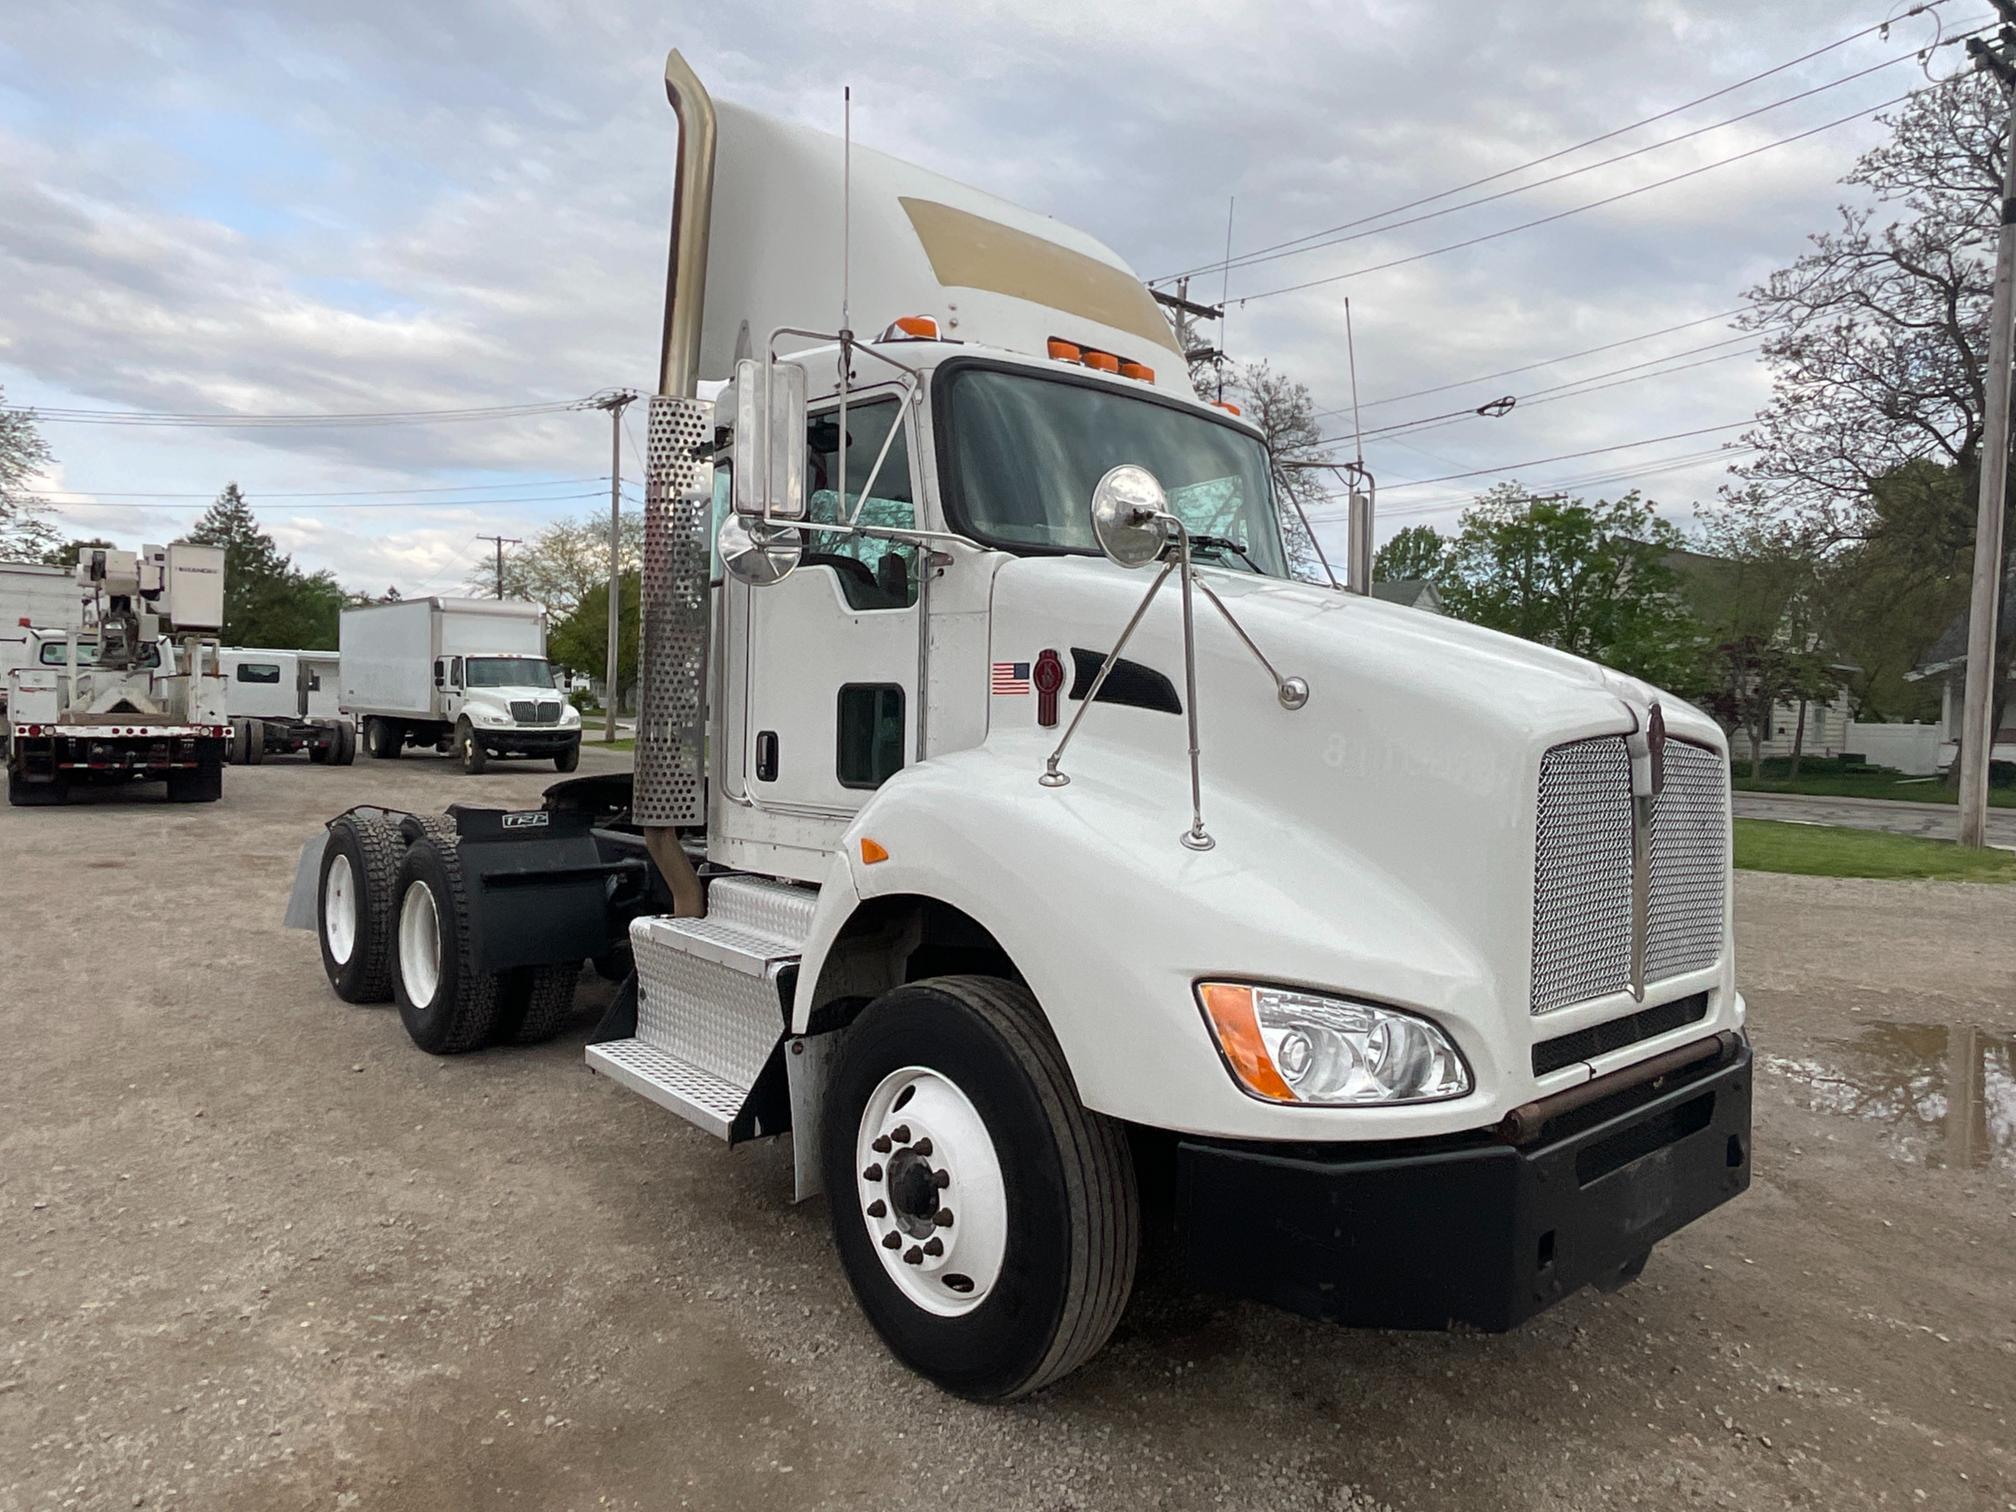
<point>258,1252</point>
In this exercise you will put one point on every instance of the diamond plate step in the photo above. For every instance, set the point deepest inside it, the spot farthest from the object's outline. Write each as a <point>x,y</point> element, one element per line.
<point>696,1095</point>
<point>759,906</point>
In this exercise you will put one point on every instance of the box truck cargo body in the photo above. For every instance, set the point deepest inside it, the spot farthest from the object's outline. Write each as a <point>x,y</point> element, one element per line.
<point>32,594</point>
<point>463,675</point>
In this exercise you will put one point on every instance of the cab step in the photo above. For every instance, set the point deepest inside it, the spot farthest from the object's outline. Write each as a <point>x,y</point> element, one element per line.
<point>711,1008</point>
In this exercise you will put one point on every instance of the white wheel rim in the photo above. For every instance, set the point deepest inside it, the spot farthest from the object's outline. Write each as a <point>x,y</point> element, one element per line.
<point>926,1172</point>
<point>339,910</point>
<point>419,945</point>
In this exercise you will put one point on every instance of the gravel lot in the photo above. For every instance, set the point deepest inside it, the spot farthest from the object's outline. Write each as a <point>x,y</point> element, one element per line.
<point>261,1253</point>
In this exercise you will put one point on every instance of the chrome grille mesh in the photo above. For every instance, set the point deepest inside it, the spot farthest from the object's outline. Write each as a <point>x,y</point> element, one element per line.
<point>1582,869</point>
<point>529,711</point>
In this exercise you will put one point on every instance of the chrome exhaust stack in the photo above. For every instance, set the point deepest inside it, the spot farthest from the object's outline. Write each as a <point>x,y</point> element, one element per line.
<point>669,786</point>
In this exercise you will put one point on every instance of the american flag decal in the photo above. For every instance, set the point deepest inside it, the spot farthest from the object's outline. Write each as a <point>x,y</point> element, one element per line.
<point>1010,677</point>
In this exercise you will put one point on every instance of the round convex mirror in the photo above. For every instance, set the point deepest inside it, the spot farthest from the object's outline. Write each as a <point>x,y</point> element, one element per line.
<point>757,553</point>
<point>1125,510</point>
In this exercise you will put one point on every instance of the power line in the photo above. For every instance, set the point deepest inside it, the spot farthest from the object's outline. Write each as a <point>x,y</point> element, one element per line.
<point>1253,260</point>
<point>1608,346</point>
<point>62,415</point>
<point>1594,451</point>
<point>388,504</point>
<point>1608,199</point>
<point>1669,464</point>
<point>323,493</point>
<point>1491,178</point>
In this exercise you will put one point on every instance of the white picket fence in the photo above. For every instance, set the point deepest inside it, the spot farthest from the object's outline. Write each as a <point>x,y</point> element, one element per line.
<point>1910,748</point>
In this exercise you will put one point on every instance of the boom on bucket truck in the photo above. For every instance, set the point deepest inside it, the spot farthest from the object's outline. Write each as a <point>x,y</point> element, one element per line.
<point>1014,829</point>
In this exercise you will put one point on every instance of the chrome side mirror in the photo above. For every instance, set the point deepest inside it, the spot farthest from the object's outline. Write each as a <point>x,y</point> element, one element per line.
<point>1130,516</point>
<point>766,407</point>
<point>757,553</point>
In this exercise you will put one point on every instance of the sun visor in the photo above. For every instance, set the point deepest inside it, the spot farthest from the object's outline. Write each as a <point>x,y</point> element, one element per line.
<point>988,271</point>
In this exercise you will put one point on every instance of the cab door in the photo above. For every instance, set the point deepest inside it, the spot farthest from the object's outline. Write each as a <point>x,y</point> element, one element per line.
<point>832,651</point>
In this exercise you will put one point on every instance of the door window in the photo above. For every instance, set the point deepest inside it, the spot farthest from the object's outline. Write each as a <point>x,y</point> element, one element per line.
<point>871,734</point>
<point>258,672</point>
<point>873,573</point>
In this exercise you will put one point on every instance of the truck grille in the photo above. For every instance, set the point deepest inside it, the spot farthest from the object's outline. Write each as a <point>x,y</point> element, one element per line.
<point>1583,861</point>
<point>525,711</point>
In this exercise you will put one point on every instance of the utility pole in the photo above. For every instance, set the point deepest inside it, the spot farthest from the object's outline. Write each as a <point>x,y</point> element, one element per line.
<point>1977,722</point>
<point>615,403</point>
<point>502,541</point>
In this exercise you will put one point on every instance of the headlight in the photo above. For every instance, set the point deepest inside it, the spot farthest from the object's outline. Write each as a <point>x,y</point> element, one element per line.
<point>569,714</point>
<point>1299,1047</point>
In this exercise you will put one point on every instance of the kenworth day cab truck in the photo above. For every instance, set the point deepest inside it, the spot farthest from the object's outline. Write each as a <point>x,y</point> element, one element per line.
<point>285,703</point>
<point>1012,828</point>
<point>463,675</point>
<point>115,700</point>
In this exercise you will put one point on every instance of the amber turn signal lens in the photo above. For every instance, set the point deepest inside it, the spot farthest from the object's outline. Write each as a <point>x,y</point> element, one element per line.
<point>1231,1010</point>
<point>872,851</point>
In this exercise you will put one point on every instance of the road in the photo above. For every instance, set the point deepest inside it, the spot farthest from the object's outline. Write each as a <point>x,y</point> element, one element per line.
<point>260,1253</point>
<point>1939,821</point>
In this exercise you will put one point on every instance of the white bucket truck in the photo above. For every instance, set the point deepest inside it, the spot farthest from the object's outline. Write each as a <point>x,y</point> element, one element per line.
<point>463,675</point>
<point>1384,960</point>
<point>113,699</point>
<point>285,702</point>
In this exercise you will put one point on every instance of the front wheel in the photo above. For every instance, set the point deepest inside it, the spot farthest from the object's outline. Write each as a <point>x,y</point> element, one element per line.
<point>987,1221</point>
<point>474,758</point>
<point>568,759</point>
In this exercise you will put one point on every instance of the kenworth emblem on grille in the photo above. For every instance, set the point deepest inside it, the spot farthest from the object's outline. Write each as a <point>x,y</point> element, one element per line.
<point>1647,745</point>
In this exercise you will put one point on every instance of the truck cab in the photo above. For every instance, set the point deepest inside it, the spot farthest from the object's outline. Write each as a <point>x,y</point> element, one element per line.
<point>1018,825</point>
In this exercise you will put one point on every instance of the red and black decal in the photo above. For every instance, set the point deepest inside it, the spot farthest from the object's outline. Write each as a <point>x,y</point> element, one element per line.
<point>1049,678</point>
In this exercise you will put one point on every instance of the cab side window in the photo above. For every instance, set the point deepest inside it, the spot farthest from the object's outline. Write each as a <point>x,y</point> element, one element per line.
<point>873,573</point>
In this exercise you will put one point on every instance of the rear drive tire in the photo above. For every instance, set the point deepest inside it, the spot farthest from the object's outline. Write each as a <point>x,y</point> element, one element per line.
<point>255,742</point>
<point>469,749</point>
<point>346,743</point>
<point>448,1005</point>
<point>536,1003</point>
<point>567,760</point>
<point>987,1221</point>
<point>353,914</point>
<point>234,752</point>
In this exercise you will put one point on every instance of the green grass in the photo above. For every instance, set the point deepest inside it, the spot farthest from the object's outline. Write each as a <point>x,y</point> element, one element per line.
<point>627,743</point>
<point>1821,850</point>
<point>1824,784</point>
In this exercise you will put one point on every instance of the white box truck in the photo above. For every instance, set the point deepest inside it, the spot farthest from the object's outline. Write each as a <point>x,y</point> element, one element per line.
<point>37,597</point>
<point>463,675</point>
<point>1013,826</point>
<point>283,702</point>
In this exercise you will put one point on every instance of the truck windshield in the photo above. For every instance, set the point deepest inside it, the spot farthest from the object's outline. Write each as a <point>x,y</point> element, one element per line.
<point>507,672</point>
<point>57,654</point>
<point>1028,450</point>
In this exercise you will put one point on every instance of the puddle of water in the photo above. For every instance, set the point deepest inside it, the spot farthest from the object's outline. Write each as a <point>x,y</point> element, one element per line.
<point>1944,1096</point>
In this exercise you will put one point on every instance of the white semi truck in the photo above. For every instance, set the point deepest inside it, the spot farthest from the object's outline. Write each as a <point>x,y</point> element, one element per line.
<point>1012,828</point>
<point>114,699</point>
<point>463,675</point>
<point>285,702</point>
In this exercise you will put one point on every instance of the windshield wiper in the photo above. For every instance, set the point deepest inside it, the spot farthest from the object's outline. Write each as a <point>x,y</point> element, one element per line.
<point>1224,544</point>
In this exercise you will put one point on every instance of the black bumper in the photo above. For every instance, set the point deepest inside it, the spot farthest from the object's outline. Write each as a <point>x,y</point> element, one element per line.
<point>527,742</point>
<point>1472,1231</point>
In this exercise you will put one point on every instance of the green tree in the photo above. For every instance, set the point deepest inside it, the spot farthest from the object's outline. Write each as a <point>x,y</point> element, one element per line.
<point>1749,676</point>
<point>1591,579</point>
<point>268,601</point>
<point>24,527</point>
<point>561,564</point>
<point>1416,552</point>
<point>579,640</point>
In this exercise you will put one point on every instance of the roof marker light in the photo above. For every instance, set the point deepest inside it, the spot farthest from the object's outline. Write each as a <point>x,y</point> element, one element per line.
<point>1138,371</point>
<point>1226,405</point>
<point>1065,351</point>
<point>1102,362</point>
<point>912,328</point>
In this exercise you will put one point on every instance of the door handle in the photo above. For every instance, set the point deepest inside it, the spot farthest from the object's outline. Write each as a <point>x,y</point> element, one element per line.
<point>766,756</point>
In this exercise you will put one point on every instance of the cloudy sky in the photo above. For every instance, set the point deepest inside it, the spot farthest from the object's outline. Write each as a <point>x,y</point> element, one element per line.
<point>367,206</point>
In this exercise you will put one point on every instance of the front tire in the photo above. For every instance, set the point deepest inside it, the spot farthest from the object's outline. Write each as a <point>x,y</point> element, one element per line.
<point>987,1221</point>
<point>448,1006</point>
<point>382,738</point>
<point>567,760</point>
<point>474,758</point>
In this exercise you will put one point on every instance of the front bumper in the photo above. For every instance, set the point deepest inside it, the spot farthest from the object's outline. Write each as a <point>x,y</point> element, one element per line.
<point>500,742</point>
<point>1474,1230</point>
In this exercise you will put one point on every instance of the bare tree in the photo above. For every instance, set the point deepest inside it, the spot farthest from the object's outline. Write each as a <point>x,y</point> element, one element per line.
<point>1285,414</point>
<point>24,530</point>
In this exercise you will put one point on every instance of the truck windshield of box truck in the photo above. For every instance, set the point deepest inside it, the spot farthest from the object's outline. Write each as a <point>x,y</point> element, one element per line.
<point>507,672</point>
<point>1026,452</point>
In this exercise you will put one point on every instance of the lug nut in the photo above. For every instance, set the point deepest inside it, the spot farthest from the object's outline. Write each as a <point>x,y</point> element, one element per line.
<point>941,1179</point>
<point>873,1173</point>
<point>922,1147</point>
<point>901,1133</point>
<point>892,1241</point>
<point>878,1208</point>
<point>943,1217</point>
<point>913,1256</point>
<point>881,1146</point>
<point>934,1245</point>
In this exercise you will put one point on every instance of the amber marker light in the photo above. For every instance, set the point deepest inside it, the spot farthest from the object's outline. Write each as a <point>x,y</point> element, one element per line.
<point>1065,351</point>
<point>1230,1009</point>
<point>1102,362</point>
<point>872,851</point>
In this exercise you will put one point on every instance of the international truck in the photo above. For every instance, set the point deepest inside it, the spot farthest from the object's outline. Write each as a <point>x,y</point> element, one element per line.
<point>115,699</point>
<point>1013,827</point>
<point>467,676</point>
<point>286,703</point>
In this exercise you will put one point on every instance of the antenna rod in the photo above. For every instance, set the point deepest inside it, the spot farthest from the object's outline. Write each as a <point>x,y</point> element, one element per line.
<point>846,242</point>
<point>1224,293</point>
<point>1357,425</point>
